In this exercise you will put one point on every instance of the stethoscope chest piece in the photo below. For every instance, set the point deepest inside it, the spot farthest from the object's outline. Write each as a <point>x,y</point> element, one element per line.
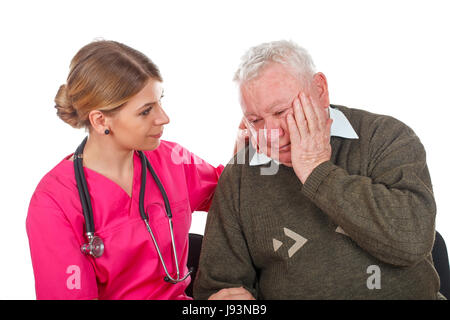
<point>94,247</point>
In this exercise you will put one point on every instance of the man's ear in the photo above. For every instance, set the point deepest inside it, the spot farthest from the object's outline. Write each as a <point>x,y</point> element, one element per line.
<point>321,88</point>
<point>98,121</point>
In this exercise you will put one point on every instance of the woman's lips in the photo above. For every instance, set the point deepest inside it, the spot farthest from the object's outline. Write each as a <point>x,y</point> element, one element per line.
<point>157,136</point>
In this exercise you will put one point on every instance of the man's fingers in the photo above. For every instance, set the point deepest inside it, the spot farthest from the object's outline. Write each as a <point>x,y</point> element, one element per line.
<point>247,125</point>
<point>243,124</point>
<point>252,133</point>
<point>247,296</point>
<point>300,119</point>
<point>237,290</point>
<point>294,132</point>
<point>243,134</point>
<point>228,296</point>
<point>310,115</point>
<point>232,294</point>
<point>321,114</point>
<point>328,129</point>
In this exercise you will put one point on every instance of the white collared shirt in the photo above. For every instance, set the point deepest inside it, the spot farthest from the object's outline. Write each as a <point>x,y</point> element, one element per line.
<point>340,127</point>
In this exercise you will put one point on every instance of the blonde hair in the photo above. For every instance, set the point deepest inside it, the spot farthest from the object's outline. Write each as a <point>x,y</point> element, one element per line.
<point>103,76</point>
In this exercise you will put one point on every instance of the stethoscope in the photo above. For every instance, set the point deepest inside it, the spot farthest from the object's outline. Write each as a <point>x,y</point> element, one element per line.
<point>95,247</point>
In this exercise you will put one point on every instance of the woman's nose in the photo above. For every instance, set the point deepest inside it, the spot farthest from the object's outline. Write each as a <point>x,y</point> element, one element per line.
<point>161,118</point>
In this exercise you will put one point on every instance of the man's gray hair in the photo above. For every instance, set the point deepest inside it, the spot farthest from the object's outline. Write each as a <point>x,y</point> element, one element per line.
<point>283,51</point>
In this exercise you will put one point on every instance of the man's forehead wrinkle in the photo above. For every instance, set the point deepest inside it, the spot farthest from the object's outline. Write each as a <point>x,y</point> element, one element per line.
<point>264,83</point>
<point>257,100</point>
<point>250,92</point>
<point>247,97</point>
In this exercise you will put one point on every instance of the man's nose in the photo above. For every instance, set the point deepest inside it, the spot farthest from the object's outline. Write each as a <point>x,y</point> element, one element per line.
<point>274,129</point>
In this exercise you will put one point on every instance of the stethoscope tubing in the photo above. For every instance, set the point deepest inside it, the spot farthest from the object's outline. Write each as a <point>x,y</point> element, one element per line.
<point>146,164</point>
<point>83,189</point>
<point>89,219</point>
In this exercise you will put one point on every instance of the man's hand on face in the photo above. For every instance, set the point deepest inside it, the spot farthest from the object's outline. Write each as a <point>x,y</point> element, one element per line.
<point>232,294</point>
<point>242,136</point>
<point>309,130</point>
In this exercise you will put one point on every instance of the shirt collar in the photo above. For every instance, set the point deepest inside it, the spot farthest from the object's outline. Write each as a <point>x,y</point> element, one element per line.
<point>340,127</point>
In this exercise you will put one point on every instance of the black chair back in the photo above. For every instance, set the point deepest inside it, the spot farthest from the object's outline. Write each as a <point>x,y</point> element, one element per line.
<point>195,245</point>
<point>441,264</point>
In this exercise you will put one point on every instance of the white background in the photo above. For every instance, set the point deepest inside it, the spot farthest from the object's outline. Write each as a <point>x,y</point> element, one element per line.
<point>388,57</point>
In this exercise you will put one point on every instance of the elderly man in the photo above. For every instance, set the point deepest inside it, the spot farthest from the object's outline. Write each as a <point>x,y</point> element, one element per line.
<point>348,214</point>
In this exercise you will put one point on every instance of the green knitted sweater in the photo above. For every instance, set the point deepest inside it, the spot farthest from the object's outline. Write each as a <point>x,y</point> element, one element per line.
<point>361,227</point>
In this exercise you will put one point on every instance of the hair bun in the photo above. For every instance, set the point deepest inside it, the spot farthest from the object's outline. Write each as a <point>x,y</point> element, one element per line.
<point>65,110</point>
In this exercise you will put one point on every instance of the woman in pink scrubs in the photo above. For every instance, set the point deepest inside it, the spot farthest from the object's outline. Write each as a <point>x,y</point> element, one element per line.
<point>115,93</point>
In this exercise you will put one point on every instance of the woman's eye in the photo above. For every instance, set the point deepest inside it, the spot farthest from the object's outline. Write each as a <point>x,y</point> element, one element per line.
<point>255,121</point>
<point>146,111</point>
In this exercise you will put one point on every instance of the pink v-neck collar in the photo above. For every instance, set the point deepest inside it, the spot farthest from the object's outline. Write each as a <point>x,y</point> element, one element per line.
<point>98,183</point>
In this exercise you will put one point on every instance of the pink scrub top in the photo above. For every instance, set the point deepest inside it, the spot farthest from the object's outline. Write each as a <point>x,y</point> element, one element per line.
<point>130,267</point>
